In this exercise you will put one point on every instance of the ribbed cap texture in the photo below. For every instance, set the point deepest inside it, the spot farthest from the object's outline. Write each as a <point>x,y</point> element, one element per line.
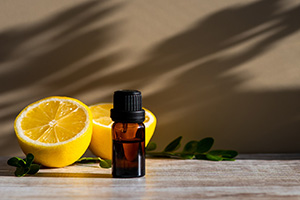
<point>128,107</point>
<point>128,100</point>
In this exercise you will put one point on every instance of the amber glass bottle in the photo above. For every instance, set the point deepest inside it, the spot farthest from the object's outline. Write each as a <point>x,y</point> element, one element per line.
<point>128,134</point>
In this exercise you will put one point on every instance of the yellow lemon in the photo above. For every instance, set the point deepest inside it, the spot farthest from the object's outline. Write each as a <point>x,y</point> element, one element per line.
<point>56,130</point>
<point>101,143</point>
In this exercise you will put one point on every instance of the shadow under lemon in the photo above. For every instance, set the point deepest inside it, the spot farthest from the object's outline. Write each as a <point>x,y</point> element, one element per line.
<point>101,143</point>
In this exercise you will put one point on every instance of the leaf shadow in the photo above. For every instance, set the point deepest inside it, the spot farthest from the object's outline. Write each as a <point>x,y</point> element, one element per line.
<point>185,80</point>
<point>48,57</point>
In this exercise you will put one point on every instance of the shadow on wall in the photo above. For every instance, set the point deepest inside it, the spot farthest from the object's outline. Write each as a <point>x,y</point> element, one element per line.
<point>46,58</point>
<point>209,103</point>
<point>182,78</point>
<point>184,82</point>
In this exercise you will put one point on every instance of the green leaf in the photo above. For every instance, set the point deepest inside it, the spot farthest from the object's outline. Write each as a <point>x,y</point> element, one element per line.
<point>204,145</point>
<point>29,159</point>
<point>22,163</point>
<point>87,160</point>
<point>105,163</point>
<point>224,153</point>
<point>14,161</point>
<point>190,147</point>
<point>201,156</point>
<point>21,171</point>
<point>151,146</point>
<point>160,154</point>
<point>24,166</point>
<point>34,168</point>
<point>214,157</point>
<point>187,156</point>
<point>174,145</point>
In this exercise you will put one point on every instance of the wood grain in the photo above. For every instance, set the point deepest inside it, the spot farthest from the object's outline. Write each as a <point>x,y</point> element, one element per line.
<point>250,177</point>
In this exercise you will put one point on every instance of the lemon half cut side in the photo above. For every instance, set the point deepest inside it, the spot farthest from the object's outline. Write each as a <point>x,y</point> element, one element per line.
<point>56,130</point>
<point>101,143</point>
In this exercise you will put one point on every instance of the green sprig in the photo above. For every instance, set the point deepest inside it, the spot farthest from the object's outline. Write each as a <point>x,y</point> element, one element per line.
<point>24,166</point>
<point>193,150</point>
<point>102,162</point>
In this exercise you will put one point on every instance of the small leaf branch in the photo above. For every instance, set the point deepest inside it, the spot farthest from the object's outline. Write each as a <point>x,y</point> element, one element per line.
<point>192,150</point>
<point>24,166</point>
<point>102,162</point>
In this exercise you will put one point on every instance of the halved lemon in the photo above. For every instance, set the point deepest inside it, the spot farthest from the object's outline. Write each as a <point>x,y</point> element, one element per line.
<point>101,143</point>
<point>56,130</point>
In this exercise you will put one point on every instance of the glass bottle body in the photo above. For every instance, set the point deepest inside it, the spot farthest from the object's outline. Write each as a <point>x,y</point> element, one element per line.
<point>128,150</point>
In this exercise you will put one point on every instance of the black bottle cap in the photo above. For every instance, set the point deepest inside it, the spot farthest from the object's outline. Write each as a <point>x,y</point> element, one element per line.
<point>127,107</point>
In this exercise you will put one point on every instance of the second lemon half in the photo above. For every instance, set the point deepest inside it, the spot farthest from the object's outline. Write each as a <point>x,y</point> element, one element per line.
<point>101,143</point>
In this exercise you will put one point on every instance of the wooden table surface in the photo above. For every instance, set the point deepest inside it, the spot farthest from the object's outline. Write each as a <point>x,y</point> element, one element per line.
<point>257,176</point>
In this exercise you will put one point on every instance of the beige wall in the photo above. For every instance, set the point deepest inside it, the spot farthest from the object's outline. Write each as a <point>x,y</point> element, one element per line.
<point>226,69</point>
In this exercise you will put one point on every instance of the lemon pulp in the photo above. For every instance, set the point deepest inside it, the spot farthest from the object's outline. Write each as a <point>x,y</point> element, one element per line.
<point>57,130</point>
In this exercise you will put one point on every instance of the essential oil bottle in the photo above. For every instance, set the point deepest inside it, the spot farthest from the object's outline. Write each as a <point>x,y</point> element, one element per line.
<point>128,134</point>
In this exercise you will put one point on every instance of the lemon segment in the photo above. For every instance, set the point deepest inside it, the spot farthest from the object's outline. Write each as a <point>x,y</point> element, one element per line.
<point>56,130</point>
<point>101,143</point>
